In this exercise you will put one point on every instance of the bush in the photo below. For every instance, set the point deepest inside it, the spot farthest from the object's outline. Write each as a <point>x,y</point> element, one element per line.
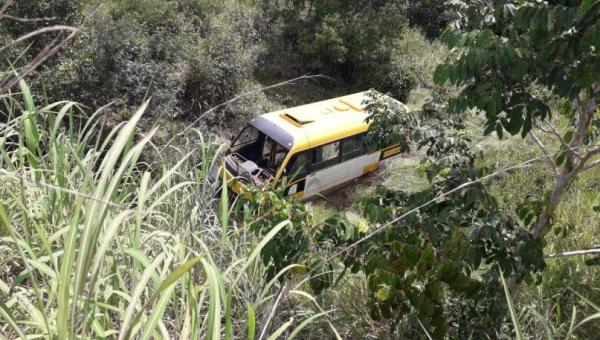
<point>124,54</point>
<point>218,64</point>
<point>187,55</point>
<point>431,16</point>
<point>351,41</point>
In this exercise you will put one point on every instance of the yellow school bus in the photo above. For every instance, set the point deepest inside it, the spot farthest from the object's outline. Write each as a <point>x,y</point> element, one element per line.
<point>313,148</point>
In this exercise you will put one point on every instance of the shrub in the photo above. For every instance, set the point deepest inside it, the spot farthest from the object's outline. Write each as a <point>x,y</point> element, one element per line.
<point>187,55</point>
<point>431,16</point>
<point>351,41</point>
<point>219,63</point>
<point>123,55</point>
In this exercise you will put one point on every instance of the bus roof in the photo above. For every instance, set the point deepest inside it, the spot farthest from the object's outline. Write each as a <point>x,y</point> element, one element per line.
<point>316,123</point>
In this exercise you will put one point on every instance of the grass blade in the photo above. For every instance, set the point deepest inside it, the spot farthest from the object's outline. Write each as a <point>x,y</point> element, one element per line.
<point>511,308</point>
<point>305,323</point>
<point>251,321</point>
<point>281,329</point>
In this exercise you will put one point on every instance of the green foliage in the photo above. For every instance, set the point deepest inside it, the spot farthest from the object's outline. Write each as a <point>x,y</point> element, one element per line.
<point>187,55</point>
<point>262,210</point>
<point>390,122</point>
<point>302,242</point>
<point>431,255</point>
<point>218,65</point>
<point>97,244</point>
<point>506,47</point>
<point>190,55</point>
<point>431,16</point>
<point>353,41</point>
<point>56,12</point>
<point>442,244</point>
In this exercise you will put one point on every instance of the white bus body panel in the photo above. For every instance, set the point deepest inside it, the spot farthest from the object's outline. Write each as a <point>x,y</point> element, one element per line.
<point>328,178</point>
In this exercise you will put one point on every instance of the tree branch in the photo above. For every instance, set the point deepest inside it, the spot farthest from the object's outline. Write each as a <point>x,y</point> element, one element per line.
<point>573,253</point>
<point>544,150</point>
<point>552,131</point>
<point>46,53</point>
<point>5,6</point>
<point>583,167</point>
<point>21,19</point>
<point>38,32</point>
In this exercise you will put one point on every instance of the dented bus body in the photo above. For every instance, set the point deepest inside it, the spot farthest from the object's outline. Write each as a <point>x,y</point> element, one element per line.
<point>312,149</point>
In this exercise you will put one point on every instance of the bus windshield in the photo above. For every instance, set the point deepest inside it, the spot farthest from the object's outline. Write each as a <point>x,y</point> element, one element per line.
<point>261,150</point>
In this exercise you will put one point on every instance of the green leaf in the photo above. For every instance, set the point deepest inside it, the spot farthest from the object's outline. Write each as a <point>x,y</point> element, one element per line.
<point>527,124</point>
<point>6,315</point>
<point>523,16</point>
<point>489,128</point>
<point>560,159</point>
<point>568,137</point>
<point>440,75</point>
<point>224,207</point>
<point>499,130</point>
<point>279,331</point>
<point>515,122</point>
<point>171,279</point>
<point>305,323</point>
<point>485,39</point>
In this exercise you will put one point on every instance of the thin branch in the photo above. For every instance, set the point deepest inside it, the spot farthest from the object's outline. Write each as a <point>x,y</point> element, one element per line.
<point>21,19</point>
<point>574,253</point>
<point>46,53</point>
<point>38,32</point>
<point>591,165</point>
<point>5,6</point>
<point>544,150</point>
<point>435,199</point>
<point>552,131</point>
<point>272,313</point>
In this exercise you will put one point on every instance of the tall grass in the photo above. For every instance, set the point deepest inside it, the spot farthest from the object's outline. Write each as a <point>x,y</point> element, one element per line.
<point>97,240</point>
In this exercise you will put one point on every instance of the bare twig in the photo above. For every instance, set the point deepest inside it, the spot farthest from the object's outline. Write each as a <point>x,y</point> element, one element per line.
<point>38,32</point>
<point>544,150</point>
<point>574,253</point>
<point>21,19</point>
<point>435,199</point>
<point>582,164</point>
<point>391,223</point>
<point>591,165</point>
<point>552,131</point>
<point>46,53</point>
<point>272,313</point>
<point>5,6</point>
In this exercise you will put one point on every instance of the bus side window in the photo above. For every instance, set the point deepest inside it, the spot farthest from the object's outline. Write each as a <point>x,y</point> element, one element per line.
<point>353,146</point>
<point>297,167</point>
<point>326,155</point>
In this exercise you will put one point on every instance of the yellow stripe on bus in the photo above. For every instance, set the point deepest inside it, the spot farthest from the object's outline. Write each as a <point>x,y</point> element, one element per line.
<point>391,152</point>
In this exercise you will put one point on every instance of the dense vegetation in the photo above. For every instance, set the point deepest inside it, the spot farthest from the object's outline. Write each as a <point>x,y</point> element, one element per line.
<point>112,123</point>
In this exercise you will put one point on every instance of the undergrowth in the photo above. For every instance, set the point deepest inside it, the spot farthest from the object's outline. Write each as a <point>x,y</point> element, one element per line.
<point>97,242</point>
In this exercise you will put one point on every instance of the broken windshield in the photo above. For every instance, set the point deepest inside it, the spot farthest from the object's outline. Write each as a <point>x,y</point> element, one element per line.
<point>255,146</point>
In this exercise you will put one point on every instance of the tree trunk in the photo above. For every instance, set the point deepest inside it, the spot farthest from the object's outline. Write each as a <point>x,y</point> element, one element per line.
<point>563,178</point>
<point>562,181</point>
